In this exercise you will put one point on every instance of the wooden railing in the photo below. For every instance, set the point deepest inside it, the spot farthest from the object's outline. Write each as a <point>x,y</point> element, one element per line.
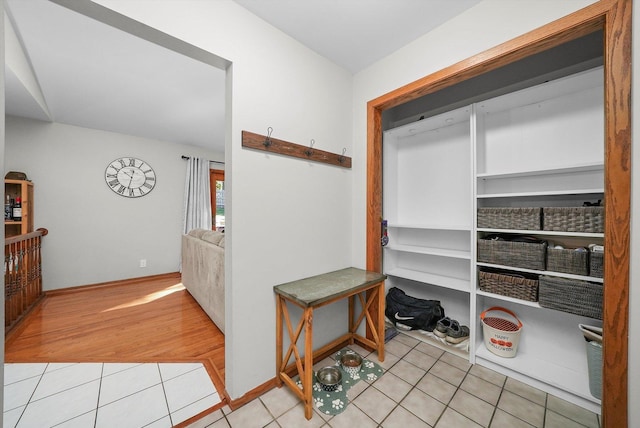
<point>22,275</point>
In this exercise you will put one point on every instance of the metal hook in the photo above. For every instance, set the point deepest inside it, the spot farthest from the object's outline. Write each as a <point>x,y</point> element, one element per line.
<point>267,141</point>
<point>309,151</point>
<point>341,158</point>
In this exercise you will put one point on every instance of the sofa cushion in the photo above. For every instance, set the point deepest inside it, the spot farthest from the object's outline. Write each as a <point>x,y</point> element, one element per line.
<point>197,233</point>
<point>212,236</point>
<point>221,243</point>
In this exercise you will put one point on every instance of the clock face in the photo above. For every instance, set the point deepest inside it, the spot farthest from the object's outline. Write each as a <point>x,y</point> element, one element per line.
<point>130,177</point>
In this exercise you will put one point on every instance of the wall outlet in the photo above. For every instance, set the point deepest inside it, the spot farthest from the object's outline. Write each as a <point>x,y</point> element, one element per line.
<point>143,263</point>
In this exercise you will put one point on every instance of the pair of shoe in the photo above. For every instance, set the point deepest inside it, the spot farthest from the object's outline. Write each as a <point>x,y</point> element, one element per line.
<point>451,330</point>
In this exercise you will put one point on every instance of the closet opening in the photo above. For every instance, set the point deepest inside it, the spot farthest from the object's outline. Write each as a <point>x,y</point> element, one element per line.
<point>596,36</point>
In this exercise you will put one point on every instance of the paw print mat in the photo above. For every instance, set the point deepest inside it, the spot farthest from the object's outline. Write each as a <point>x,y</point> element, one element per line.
<point>335,402</point>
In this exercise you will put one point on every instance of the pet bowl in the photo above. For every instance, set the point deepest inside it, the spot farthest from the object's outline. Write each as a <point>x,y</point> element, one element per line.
<point>351,363</point>
<point>329,378</point>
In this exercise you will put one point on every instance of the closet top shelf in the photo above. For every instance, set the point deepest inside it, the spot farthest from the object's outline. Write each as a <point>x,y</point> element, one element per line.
<point>453,227</point>
<point>542,193</point>
<point>586,167</point>
<point>542,232</point>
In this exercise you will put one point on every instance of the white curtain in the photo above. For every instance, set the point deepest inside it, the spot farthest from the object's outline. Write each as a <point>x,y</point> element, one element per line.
<point>197,195</point>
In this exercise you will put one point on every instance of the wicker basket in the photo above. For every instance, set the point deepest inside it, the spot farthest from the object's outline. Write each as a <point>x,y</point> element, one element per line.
<point>512,253</point>
<point>510,218</point>
<point>567,261</point>
<point>574,219</point>
<point>596,264</point>
<point>569,295</point>
<point>509,285</point>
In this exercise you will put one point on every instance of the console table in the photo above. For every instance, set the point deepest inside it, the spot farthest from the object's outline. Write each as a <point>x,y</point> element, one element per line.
<point>315,292</point>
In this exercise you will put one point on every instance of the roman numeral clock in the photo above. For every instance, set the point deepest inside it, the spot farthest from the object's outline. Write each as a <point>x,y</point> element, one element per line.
<point>130,177</point>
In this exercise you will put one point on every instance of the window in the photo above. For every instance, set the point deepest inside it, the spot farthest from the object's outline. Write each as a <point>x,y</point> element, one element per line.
<point>216,178</point>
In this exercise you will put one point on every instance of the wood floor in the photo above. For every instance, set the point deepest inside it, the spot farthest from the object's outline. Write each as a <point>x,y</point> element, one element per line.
<point>152,319</point>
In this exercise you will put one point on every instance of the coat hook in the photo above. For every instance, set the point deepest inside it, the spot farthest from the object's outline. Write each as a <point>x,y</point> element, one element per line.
<point>341,158</point>
<point>309,151</point>
<point>267,141</point>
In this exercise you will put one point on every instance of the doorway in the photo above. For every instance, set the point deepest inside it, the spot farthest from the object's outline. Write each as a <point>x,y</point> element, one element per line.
<point>93,11</point>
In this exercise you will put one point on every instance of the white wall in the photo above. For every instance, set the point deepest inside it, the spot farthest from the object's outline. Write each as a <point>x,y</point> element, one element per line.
<point>287,218</point>
<point>18,69</point>
<point>96,235</point>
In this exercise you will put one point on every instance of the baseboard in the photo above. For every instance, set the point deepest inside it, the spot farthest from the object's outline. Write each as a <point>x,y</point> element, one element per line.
<point>59,291</point>
<point>253,394</point>
<point>19,325</point>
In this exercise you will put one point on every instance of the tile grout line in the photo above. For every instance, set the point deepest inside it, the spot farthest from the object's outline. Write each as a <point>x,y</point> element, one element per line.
<point>95,419</point>
<point>40,377</point>
<point>467,372</point>
<point>32,394</point>
<point>164,393</point>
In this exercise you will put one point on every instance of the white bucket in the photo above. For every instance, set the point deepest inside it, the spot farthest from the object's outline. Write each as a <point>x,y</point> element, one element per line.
<point>501,335</point>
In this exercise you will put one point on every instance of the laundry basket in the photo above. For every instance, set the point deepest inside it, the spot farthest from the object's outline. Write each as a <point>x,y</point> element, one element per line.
<point>593,337</point>
<point>501,335</point>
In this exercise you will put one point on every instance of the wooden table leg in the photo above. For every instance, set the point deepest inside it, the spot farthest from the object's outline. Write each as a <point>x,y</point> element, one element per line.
<point>279,303</point>
<point>381,303</point>
<point>307,383</point>
<point>352,314</point>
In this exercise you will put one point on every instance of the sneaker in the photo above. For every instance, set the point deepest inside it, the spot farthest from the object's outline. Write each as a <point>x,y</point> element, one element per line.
<point>442,327</point>
<point>457,333</point>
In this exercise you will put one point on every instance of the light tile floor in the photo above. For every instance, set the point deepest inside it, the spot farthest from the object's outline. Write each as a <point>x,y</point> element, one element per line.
<point>422,387</point>
<point>87,395</point>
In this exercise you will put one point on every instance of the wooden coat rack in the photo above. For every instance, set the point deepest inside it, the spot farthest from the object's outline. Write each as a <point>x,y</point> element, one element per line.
<point>273,145</point>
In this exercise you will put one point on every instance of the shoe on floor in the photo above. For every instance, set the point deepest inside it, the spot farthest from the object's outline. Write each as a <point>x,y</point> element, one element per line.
<point>442,327</point>
<point>457,333</point>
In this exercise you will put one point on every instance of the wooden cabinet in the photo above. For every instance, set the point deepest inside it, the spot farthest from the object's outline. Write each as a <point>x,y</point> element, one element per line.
<point>24,190</point>
<point>542,146</point>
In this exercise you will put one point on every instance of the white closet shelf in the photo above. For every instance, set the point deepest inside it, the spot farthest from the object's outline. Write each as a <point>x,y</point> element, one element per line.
<point>596,166</point>
<point>453,227</point>
<point>508,299</point>
<point>430,278</point>
<point>542,193</point>
<point>544,272</point>
<point>544,232</point>
<point>430,338</point>
<point>433,251</point>
<point>562,376</point>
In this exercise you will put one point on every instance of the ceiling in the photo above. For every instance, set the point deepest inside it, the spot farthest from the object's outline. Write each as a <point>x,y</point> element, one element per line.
<point>97,76</point>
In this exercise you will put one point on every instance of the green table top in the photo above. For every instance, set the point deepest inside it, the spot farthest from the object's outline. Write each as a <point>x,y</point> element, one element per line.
<point>316,290</point>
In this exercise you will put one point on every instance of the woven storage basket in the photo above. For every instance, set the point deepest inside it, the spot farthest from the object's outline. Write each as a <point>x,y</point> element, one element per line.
<point>509,285</point>
<point>510,218</point>
<point>570,295</point>
<point>511,253</point>
<point>567,261</point>
<point>574,219</point>
<point>596,264</point>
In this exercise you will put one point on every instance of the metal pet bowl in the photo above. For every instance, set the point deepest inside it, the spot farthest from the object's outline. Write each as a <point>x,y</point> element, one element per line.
<point>351,363</point>
<point>329,378</point>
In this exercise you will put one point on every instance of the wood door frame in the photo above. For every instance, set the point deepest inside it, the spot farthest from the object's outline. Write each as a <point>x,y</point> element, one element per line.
<point>613,18</point>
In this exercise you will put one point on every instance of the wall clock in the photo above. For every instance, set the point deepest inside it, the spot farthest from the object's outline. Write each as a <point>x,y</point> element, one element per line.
<point>130,177</point>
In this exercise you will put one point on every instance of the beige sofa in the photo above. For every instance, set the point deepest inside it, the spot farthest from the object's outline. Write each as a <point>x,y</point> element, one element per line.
<point>203,271</point>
